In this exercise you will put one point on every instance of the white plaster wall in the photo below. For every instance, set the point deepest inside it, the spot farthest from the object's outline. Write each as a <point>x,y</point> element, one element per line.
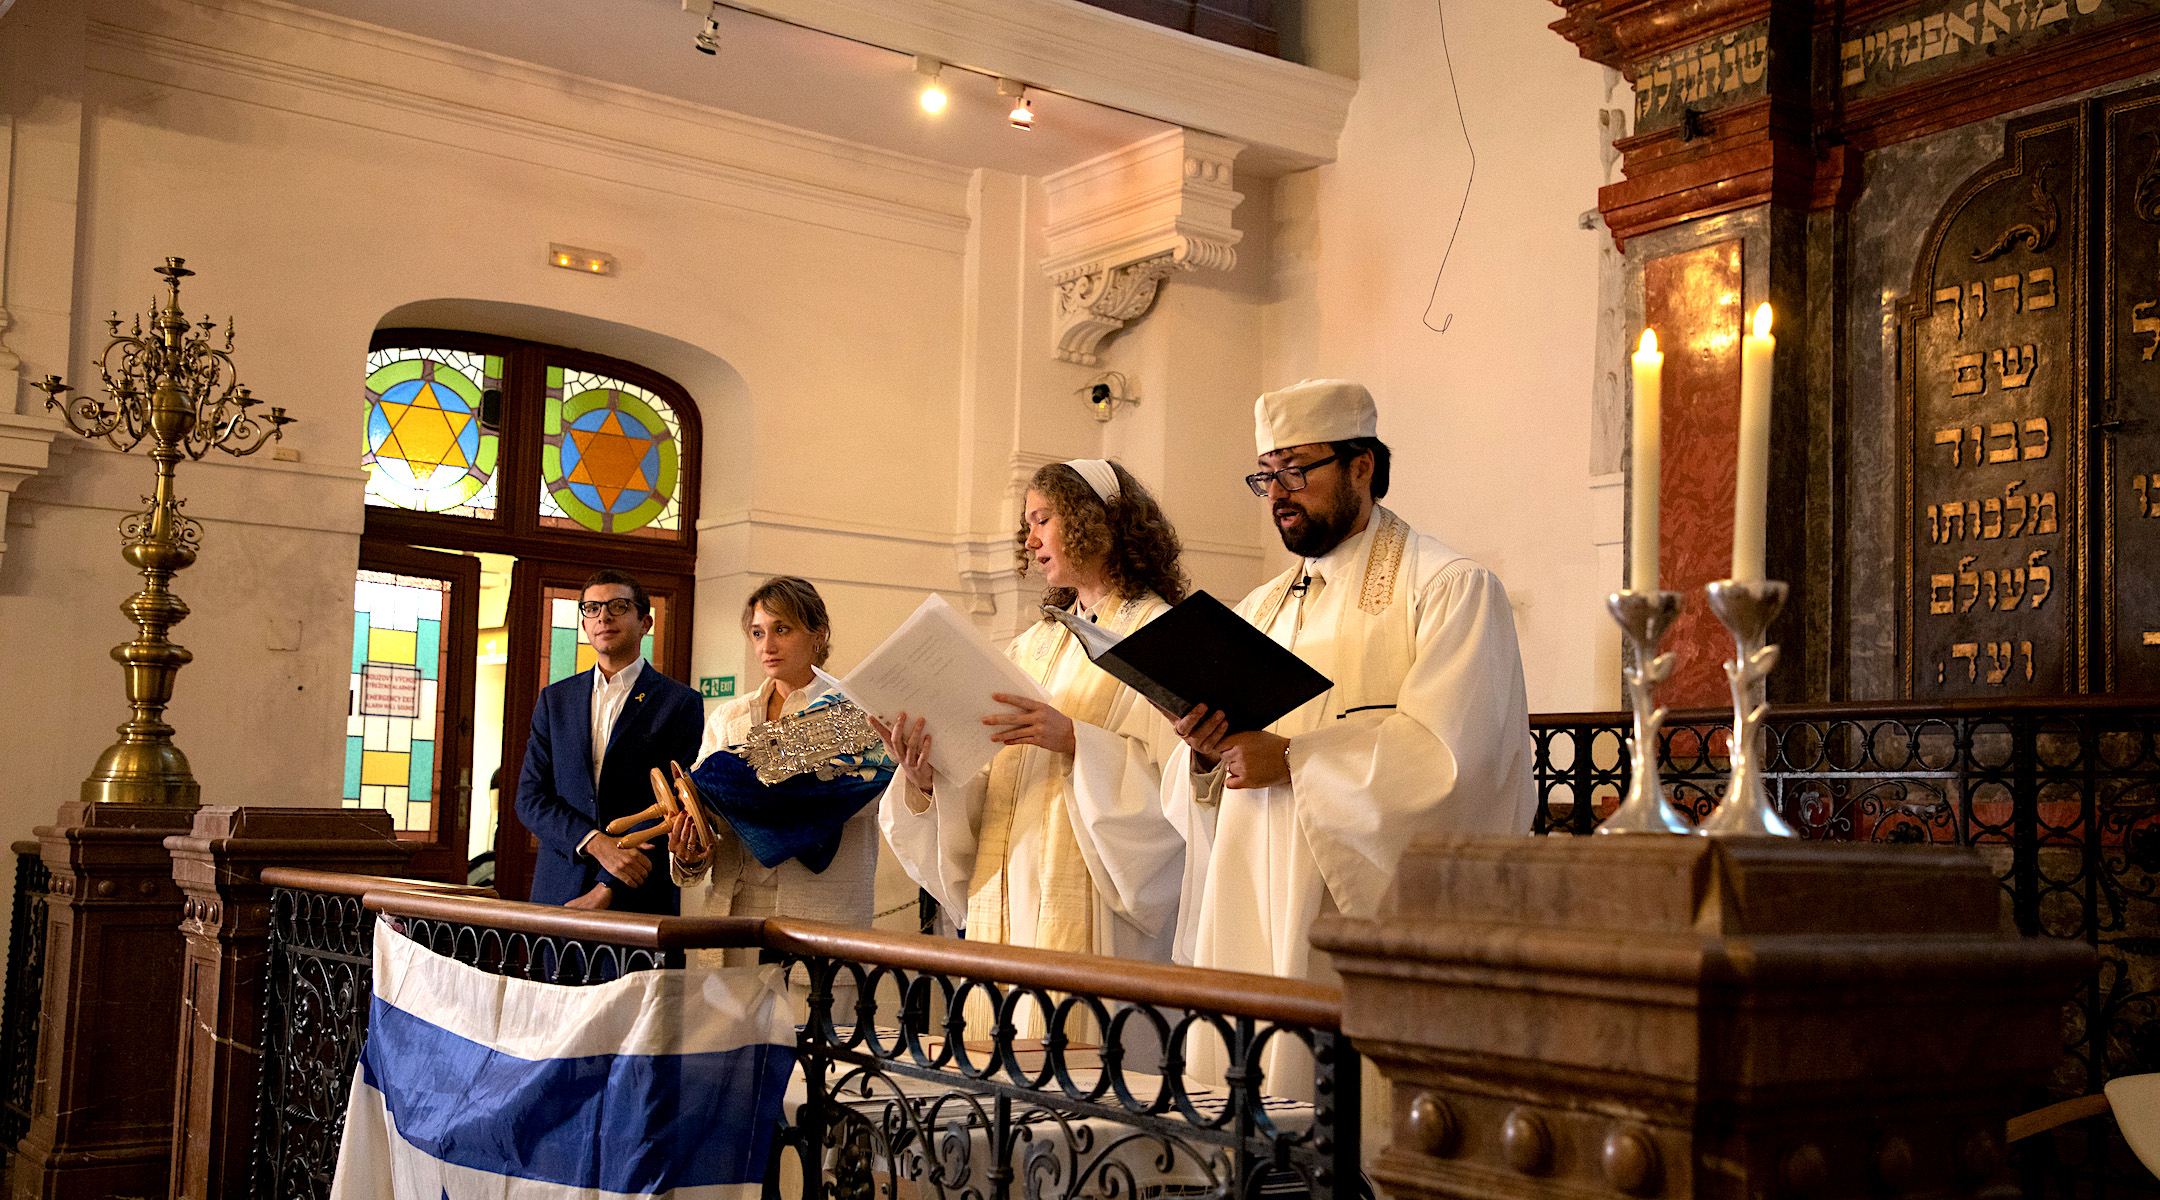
<point>1490,421</point>
<point>274,153</point>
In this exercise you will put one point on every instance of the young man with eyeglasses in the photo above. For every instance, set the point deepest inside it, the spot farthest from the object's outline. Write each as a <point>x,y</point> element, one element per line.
<point>1426,729</point>
<point>596,737</point>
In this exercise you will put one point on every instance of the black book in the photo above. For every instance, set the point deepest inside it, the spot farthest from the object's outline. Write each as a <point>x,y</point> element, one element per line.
<point>1202,653</point>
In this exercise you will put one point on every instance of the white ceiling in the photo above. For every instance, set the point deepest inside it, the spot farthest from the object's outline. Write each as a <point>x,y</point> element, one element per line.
<point>771,70</point>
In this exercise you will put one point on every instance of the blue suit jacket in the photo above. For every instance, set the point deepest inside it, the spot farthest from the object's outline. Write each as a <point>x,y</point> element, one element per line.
<point>661,722</point>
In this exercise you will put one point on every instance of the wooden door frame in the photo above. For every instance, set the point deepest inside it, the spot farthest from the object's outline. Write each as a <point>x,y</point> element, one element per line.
<point>443,857</point>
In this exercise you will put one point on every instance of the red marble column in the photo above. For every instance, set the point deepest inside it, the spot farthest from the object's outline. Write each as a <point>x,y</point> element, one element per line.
<point>1693,301</point>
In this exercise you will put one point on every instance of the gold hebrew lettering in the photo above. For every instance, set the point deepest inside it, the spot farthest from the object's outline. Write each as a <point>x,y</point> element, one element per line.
<point>2039,580</point>
<point>2013,589</point>
<point>1942,595</point>
<point>1991,520</point>
<point>2034,447</point>
<point>1973,433</point>
<point>2013,284</point>
<point>1967,577</point>
<point>1970,652</point>
<point>2003,454</point>
<point>2004,656</point>
<point>1954,438</point>
<point>1963,384</point>
<point>2142,321</point>
<point>2043,513</point>
<point>2152,637</point>
<point>2026,647</point>
<point>1975,302</point>
<point>1987,584</point>
<point>1953,518</point>
<point>2014,504</point>
<point>2035,300</point>
<point>1992,19</point>
<point>2136,481</point>
<point>2015,364</point>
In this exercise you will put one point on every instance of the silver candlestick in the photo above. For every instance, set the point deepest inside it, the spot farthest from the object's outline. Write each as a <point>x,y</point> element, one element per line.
<point>1746,610</point>
<point>1644,617</point>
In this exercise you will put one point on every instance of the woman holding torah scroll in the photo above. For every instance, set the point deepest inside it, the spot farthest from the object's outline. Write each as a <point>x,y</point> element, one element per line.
<point>723,875</point>
<point>1060,843</point>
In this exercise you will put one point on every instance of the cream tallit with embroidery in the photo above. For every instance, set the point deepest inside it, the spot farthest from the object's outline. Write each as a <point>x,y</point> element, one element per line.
<point>1426,730</point>
<point>1068,852</point>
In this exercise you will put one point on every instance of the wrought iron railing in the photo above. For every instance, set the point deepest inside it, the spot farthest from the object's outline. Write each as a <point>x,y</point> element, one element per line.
<point>25,991</point>
<point>317,982</point>
<point>2062,795</point>
<point>921,1069</point>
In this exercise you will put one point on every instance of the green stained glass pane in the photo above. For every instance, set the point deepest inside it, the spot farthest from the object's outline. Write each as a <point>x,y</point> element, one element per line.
<point>612,462</point>
<point>424,447</point>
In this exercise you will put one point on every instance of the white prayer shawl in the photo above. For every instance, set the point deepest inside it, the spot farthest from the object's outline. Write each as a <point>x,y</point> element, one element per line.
<point>1426,730</point>
<point>1112,796</point>
<point>735,884</point>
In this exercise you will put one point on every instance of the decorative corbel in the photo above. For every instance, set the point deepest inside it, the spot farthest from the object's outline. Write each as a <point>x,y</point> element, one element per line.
<point>1122,223</point>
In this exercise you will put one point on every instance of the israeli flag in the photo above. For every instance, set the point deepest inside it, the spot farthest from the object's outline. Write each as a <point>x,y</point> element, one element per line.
<point>661,1083</point>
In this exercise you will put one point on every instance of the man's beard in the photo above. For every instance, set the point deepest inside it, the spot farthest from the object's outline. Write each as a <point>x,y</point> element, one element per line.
<point>1319,533</point>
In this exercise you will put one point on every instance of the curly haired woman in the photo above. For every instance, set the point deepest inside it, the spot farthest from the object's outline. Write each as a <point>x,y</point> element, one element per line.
<point>1060,842</point>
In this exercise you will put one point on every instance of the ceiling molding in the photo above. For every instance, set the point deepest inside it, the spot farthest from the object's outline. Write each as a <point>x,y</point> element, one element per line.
<point>1288,115</point>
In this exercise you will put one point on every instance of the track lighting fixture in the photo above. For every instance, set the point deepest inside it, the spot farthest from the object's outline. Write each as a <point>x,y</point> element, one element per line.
<point>708,38</point>
<point>1022,115</point>
<point>933,92</point>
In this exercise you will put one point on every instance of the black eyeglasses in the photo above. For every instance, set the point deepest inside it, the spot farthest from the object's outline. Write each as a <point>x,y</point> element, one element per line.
<point>614,608</point>
<point>1292,479</point>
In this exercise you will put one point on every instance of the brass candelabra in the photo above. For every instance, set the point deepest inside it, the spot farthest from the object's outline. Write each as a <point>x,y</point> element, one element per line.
<point>176,389</point>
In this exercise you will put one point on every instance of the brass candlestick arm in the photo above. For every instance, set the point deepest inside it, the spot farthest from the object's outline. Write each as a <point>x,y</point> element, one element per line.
<point>1644,617</point>
<point>177,389</point>
<point>1746,609</point>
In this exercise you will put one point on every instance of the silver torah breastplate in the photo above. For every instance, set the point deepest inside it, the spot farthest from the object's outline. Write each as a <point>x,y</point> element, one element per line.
<point>808,741</point>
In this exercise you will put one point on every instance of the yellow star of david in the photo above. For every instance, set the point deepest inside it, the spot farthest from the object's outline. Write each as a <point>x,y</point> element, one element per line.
<point>611,460</point>
<point>425,435</point>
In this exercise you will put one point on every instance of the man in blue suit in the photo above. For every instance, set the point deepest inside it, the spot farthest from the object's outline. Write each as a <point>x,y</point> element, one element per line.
<point>595,738</point>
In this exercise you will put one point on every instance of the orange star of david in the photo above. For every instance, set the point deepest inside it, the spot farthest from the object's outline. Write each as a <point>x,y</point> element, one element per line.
<point>611,460</point>
<point>425,435</point>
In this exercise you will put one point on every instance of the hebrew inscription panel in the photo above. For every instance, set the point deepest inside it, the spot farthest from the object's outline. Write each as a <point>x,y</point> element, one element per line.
<point>1994,378</point>
<point>2129,423</point>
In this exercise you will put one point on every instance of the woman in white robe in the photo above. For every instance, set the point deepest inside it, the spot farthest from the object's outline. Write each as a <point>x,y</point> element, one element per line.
<point>1060,843</point>
<point>788,627</point>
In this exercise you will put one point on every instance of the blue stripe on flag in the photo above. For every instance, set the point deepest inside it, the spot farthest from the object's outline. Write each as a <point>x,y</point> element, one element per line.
<point>635,1124</point>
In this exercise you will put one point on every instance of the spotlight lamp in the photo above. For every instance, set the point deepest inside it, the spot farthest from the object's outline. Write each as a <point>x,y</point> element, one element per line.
<point>1022,115</point>
<point>708,38</point>
<point>933,90</point>
<point>1106,391</point>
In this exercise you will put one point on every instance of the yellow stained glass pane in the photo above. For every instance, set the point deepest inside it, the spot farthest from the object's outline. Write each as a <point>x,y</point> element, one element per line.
<point>384,768</point>
<point>392,646</point>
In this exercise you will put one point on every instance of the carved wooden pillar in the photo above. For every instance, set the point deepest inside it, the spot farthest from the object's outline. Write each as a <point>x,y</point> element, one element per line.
<point>101,1115</point>
<point>219,863</point>
<point>1673,1016</point>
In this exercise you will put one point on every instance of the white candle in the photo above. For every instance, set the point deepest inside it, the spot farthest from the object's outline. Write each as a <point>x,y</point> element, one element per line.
<point>1751,492</point>
<point>1643,483</point>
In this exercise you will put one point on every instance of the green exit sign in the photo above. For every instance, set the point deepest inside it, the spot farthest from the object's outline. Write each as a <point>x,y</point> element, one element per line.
<point>716,687</point>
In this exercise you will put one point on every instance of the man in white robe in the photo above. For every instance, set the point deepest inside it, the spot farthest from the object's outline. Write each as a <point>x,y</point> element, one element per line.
<point>1426,729</point>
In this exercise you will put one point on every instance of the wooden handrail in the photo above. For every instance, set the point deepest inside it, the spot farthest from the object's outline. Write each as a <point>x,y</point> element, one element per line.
<point>338,883</point>
<point>28,846</point>
<point>1265,997</point>
<point>1877,710</point>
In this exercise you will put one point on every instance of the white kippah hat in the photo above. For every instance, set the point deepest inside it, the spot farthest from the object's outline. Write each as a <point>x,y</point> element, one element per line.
<point>1316,410</point>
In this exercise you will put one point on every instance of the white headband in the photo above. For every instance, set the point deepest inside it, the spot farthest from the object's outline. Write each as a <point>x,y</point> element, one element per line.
<point>1099,476</point>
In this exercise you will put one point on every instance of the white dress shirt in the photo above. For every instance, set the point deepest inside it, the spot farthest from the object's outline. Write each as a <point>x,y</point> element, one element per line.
<point>608,698</point>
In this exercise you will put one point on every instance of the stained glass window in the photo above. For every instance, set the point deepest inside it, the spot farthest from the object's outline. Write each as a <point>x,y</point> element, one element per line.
<point>426,448</point>
<point>610,457</point>
<point>395,713</point>
<point>563,650</point>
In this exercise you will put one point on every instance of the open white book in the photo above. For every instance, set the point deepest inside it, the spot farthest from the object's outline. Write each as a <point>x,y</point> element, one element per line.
<point>939,667</point>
